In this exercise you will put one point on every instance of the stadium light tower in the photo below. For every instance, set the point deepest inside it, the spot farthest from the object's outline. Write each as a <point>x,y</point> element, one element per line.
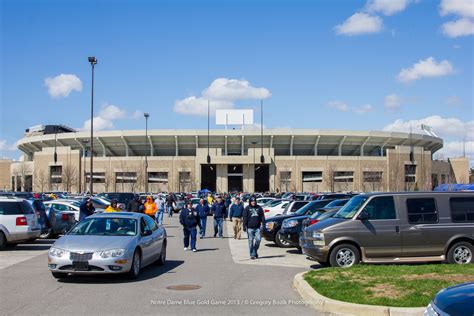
<point>146,115</point>
<point>93,62</point>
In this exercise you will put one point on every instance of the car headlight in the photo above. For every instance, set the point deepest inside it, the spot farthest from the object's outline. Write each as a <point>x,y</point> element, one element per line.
<point>112,253</point>
<point>318,239</point>
<point>430,311</point>
<point>57,252</point>
<point>269,225</point>
<point>290,223</point>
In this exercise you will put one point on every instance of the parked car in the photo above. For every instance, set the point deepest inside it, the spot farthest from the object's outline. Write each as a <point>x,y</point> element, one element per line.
<point>122,197</point>
<point>293,206</point>
<point>292,227</point>
<point>316,218</point>
<point>273,224</point>
<point>396,227</point>
<point>457,300</point>
<point>69,206</point>
<point>18,221</point>
<point>275,208</point>
<point>264,200</point>
<point>178,205</point>
<point>325,196</point>
<point>109,243</point>
<point>53,222</point>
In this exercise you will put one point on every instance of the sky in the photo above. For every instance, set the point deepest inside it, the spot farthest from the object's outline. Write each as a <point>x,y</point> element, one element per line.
<point>326,64</point>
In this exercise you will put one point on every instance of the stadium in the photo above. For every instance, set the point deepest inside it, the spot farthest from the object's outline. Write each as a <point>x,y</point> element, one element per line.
<point>249,160</point>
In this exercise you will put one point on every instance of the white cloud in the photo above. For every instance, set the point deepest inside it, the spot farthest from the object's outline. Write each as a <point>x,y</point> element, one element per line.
<point>443,127</point>
<point>427,68</point>
<point>338,105</point>
<point>393,102</point>
<point>460,27</point>
<point>360,23</point>
<point>137,115</point>
<point>387,7</point>
<point>343,107</point>
<point>233,89</point>
<point>364,109</point>
<point>62,85</point>
<point>457,7</point>
<point>222,93</point>
<point>4,146</point>
<point>454,101</point>
<point>107,115</point>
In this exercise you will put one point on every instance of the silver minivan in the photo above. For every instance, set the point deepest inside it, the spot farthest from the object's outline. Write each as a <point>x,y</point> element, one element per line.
<point>395,227</point>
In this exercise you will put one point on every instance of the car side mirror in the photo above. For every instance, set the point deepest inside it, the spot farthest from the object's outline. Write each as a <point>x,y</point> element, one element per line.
<point>147,232</point>
<point>363,216</point>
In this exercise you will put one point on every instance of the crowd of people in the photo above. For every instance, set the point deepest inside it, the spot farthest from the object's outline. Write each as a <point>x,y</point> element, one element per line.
<point>249,219</point>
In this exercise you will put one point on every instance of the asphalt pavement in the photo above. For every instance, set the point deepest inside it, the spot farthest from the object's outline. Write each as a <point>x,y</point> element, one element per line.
<point>222,286</point>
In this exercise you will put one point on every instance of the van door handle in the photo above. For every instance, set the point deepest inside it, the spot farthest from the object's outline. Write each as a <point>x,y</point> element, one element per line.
<point>397,229</point>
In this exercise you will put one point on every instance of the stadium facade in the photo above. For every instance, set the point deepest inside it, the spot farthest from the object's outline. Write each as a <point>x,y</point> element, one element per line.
<point>293,160</point>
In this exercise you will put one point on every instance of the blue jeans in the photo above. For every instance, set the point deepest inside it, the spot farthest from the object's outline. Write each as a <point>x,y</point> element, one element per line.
<point>190,232</point>
<point>159,216</point>
<point>218,226</point>
<point>170,211</point>
<point>203,220</point>
<point>255,236</point>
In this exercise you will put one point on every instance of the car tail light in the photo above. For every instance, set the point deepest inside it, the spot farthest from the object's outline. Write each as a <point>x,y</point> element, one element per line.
<point>64,217</point>
<point>266,211</point>
<point>313,221</point>
<point>21,221</point>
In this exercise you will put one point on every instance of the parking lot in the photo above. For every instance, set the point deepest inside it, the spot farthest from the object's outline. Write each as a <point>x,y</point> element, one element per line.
<point>220,271</point>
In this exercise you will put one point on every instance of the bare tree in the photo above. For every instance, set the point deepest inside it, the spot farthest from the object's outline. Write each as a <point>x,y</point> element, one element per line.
<point>108,180</point>
<point>372,180</point>
<point>41,180</point>
<point>70,177</point>
<point>328,177</point>
<point>21,171</point>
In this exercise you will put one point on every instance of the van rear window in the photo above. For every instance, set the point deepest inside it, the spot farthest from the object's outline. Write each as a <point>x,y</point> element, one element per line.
<point>10,208</point>
<point>422,211</point>
<point>462,210</point>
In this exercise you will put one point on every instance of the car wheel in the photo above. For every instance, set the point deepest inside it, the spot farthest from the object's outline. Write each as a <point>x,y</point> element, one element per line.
<point>280,242</point>
<point>162,259</point>
<point>59,275</point>
<point>136,265</point>
<point>3,241</point>
<point>461,253</point>
<point>344,256</point>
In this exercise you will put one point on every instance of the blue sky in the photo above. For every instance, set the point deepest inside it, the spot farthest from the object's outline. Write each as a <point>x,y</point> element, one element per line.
<point>361,65</point>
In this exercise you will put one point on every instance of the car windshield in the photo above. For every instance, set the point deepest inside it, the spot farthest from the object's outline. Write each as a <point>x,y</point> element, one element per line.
<point>336,203</point>
<point>273,203</point>
<point>351,207</point>
<point>105,227</point>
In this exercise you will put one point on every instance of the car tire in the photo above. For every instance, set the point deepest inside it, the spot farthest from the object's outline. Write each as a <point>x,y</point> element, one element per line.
<point>344,256</point>
<point>3,241</point>
<point>162,259</point>
<point>280,242</point>
<point>59,275</point>
<point>136,265</point>
<point>461,253</point>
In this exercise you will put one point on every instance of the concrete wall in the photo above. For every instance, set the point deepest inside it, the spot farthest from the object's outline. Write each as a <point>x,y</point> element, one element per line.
<point>5,174</point>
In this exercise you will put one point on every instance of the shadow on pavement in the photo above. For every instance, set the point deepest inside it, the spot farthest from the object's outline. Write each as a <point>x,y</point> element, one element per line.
<point>207,249</point>
<point>268,257</point>
<point>295,251</point>
<point>150,272</point>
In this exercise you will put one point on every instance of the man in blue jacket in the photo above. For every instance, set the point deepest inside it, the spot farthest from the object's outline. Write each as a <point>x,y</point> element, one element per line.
<point>235,215</point>
<point>189,218</point>
<point>220,213</point>
<point>86,209</point>
<point>203,211</point>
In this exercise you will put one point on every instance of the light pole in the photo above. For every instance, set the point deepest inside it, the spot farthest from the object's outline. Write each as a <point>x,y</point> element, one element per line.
<point>85,141</point>
<point>93,62</point>
<point>146,115</point>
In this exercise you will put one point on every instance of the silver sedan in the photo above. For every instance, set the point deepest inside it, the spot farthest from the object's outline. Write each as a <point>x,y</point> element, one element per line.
<point>109,243</point>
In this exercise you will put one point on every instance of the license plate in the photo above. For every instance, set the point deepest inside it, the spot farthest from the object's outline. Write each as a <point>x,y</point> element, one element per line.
<point>80,266</point>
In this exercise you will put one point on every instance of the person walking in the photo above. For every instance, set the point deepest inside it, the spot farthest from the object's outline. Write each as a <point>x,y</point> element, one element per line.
<point>189,218</point>
<point>134,205</point>
<point>220,214</point>
<point>253,221</point>
<point>113,207</point>
<point>86,209</point>
<point>169,204</point>
<point>235,215</point>
<point>210,200</point>
<point>150,207</point>
<point>160,204</point>
<point>203,211</point>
